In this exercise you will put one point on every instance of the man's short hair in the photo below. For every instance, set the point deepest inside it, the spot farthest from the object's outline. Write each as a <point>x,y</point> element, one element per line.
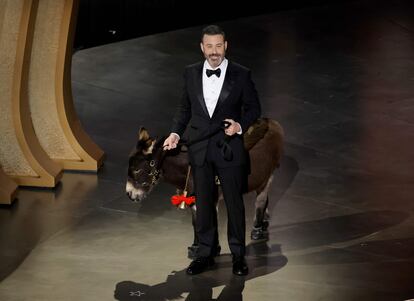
<point>212,30</point>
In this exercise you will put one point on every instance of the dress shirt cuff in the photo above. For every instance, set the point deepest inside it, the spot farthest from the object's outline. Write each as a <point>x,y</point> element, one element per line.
<point>241,130</point>
<point>176,135</point>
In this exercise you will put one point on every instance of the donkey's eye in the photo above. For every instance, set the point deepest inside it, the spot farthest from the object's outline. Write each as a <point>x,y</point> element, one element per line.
<point>145,184</point>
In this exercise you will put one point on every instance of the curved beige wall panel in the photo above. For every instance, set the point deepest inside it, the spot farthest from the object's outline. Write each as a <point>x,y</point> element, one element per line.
<point>2,13</point>
<point>21,156</point>
<point>50,93</point>
<point>7,188</point>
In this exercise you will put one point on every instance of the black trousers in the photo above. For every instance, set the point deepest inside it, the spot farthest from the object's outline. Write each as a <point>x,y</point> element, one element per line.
<point>232,181</point>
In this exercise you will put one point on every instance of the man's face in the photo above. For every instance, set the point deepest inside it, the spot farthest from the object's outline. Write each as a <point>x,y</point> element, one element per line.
<point>214,49</point>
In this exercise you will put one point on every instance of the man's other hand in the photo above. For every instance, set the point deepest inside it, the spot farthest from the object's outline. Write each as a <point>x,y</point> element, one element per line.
<point>233,128</point>
<point>171,142</point>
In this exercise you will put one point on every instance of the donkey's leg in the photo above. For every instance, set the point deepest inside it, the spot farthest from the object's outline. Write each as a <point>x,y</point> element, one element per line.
<point>261,217</point>
<point>218,198</point>
<point>192,250</point>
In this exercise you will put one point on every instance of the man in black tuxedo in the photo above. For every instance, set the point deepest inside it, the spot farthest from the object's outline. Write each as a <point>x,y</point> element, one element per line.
<point>217,90</point>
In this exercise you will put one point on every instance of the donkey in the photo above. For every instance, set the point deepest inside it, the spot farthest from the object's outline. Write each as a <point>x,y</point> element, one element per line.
<point>148,163</point>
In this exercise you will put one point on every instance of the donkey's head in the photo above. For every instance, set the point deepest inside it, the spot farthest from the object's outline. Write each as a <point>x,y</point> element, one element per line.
<point>144,167</point>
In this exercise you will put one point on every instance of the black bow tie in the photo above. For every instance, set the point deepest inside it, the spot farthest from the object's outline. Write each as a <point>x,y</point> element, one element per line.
<point>210,72</point>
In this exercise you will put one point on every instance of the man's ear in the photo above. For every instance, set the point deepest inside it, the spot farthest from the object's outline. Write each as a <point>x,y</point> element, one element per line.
<point>202,46</point>
<point>225,45</point>
<point>143,134</point>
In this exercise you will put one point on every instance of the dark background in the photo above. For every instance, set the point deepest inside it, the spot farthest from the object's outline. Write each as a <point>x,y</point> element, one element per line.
<point>107,21</point>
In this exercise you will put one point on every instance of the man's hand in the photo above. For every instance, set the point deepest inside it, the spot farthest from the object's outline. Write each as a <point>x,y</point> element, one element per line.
<point>171,141</point>
<point>233,128</point>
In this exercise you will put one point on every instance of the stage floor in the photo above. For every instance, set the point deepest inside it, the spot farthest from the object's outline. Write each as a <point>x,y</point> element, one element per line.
<point>338,78</point>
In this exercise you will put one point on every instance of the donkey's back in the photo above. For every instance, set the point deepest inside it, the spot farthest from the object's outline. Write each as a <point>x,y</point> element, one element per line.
<point>265,154</point>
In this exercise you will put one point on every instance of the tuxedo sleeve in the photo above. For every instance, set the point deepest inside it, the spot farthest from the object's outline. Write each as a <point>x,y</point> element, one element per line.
<point>183,111</point>
<point>251,104</point>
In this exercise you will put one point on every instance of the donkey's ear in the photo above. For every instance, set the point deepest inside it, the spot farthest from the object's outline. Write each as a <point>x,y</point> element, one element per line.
<point>143,134</point>
<point>149,146</point>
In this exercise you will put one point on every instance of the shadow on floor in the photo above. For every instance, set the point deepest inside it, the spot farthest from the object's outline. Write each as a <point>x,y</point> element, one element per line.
<point>261,259</point>
<point>336,229</point>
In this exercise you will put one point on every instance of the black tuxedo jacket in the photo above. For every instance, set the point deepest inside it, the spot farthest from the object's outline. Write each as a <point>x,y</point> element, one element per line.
<point>238,100</point>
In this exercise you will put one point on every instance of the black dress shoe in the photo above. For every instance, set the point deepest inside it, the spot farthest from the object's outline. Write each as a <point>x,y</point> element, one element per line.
<point>199,265</point>
<point>240,266</point>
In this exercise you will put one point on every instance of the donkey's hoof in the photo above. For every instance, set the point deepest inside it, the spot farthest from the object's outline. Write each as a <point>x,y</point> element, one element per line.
<point>216,251</point>
<point>192,252</point>
<point>259,234</point>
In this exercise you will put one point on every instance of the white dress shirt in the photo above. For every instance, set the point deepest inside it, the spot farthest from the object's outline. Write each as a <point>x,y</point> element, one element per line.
<point>212,85</point>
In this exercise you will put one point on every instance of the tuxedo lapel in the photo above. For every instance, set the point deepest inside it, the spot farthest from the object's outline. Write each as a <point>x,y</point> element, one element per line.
<point>198,78</point>
<point>227,86</point>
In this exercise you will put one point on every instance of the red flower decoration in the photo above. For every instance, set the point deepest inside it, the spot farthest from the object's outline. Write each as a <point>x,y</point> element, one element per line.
<point>176,200</point>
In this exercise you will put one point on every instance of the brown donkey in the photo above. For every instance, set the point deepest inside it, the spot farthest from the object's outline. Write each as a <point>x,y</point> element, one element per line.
<point>148,164</point>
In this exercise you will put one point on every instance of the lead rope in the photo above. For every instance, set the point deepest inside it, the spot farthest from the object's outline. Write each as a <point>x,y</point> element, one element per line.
<point>182,201</point>
<point>186,180</point>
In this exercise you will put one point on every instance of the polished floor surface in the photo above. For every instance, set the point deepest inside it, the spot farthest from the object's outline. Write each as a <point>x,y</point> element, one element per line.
<point>339,79</point>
